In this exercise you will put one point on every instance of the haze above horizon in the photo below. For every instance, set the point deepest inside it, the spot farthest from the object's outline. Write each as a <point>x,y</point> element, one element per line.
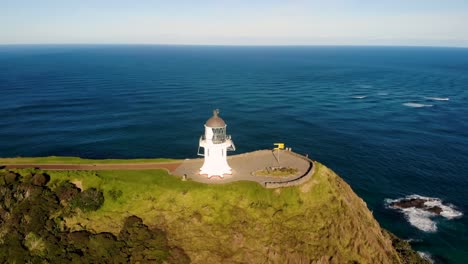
<point>275,22</point>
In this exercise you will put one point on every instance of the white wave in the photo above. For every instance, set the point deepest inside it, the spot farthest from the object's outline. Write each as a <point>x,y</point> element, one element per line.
<point>448,211</point>
<point>438,98</point>
<point>417,105</point>
<point>359,96</point>
<point>413,240</point>
<point>421,218</point>
<point>426,256</point>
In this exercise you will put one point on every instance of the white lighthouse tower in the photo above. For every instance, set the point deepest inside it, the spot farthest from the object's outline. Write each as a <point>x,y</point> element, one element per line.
<point>215,143</point>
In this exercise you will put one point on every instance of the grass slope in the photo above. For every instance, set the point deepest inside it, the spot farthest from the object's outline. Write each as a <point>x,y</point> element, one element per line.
<point>321,220</point>
<point>75,160</point>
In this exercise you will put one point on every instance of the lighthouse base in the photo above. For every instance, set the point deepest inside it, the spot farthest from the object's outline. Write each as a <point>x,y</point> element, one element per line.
<point>210,172</point>
<point>215,163</point>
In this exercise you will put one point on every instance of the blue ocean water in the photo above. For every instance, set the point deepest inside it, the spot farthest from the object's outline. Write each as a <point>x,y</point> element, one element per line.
<point>392,121</point>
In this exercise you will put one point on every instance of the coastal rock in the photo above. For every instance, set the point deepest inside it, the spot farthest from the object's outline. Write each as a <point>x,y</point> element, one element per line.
<point>421,211</point>
<point>419,203</point>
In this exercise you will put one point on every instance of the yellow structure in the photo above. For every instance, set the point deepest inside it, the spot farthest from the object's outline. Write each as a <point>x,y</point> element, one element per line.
<point>278,146</point>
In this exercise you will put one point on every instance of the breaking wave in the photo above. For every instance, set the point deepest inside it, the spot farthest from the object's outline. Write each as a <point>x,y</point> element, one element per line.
<point>359,96</point>
<point>417,105</point>
<point>426,256</point>
<point>422,213</point>
<point>438,98</point>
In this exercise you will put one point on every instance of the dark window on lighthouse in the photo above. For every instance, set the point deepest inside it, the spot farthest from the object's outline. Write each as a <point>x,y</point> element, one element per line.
<point>219,135</point>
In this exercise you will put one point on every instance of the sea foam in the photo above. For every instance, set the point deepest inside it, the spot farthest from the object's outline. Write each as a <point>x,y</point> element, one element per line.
<point>438,98</point>
<point>422,218</point>
<point>426,256</point>
<point>417,105</point>
<point>359,96</point>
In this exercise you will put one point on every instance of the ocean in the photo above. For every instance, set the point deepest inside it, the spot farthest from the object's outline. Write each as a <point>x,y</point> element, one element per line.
<point>392,121</point>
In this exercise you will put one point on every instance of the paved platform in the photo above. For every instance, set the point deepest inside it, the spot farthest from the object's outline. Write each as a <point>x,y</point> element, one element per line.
<point>244,165</point>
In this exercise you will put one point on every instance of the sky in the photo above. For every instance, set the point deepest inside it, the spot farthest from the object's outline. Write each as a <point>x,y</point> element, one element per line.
<point>236,22</point>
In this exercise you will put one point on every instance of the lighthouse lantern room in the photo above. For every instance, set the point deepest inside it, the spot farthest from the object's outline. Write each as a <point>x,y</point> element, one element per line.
<point>215,144</point>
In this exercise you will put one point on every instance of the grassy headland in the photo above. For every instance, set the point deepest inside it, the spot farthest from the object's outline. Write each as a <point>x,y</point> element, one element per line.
<point>322,220</point>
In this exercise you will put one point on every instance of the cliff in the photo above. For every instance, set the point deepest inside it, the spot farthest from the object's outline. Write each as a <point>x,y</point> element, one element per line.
<point>320,221</point>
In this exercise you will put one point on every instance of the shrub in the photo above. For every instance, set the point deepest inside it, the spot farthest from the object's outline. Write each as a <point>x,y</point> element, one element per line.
<point>66,191</point>
<point>115,194</point>
<point>88,200</point>
<point>11,177</point>
<point>35,244</point>
<point>40,179</point>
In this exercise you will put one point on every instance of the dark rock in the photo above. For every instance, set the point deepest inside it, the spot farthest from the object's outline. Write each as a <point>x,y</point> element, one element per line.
<point>435,210</point>
<point>418,203</point>
<point>414,202</point>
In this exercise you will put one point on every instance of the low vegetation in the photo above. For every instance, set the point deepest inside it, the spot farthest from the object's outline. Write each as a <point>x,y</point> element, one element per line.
<point>32,227</point>
<point>319,221</point>
<point>277,172</point>
<point>407,255</point>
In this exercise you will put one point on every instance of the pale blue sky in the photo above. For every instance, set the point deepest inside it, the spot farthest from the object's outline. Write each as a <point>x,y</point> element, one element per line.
<point>262,22</point>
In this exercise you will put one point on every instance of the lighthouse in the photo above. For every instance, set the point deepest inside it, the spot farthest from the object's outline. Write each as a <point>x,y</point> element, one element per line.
<point>215,144</point>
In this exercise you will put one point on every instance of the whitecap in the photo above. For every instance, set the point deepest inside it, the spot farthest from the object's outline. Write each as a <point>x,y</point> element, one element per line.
<point>417,105</point>
<point>359,96</point>
<point>438,98</point>
<point>426,256</point>
<point>448,211</point>
<point>413,240</point>
<point>422,218</point>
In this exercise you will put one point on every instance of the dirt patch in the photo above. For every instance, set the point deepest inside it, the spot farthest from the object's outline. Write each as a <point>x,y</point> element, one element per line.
<point>78,184</point>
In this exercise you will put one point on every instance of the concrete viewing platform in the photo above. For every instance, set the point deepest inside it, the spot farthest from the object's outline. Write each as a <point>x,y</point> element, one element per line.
<point>245,165</point>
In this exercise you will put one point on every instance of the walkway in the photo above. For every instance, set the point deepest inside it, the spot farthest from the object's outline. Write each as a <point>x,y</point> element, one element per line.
<point>243,166</point>
<point>169,166</point>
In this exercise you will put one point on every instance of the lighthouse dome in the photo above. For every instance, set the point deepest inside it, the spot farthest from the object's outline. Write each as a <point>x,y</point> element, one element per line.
<point>215,120</point>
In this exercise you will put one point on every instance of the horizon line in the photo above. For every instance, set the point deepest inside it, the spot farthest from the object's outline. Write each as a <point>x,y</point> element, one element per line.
<point>231,45</point>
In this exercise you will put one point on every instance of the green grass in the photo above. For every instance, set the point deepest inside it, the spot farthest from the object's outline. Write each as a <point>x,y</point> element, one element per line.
<point>76,160</point>
<point>239,221</point>
<point>277,172</point>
